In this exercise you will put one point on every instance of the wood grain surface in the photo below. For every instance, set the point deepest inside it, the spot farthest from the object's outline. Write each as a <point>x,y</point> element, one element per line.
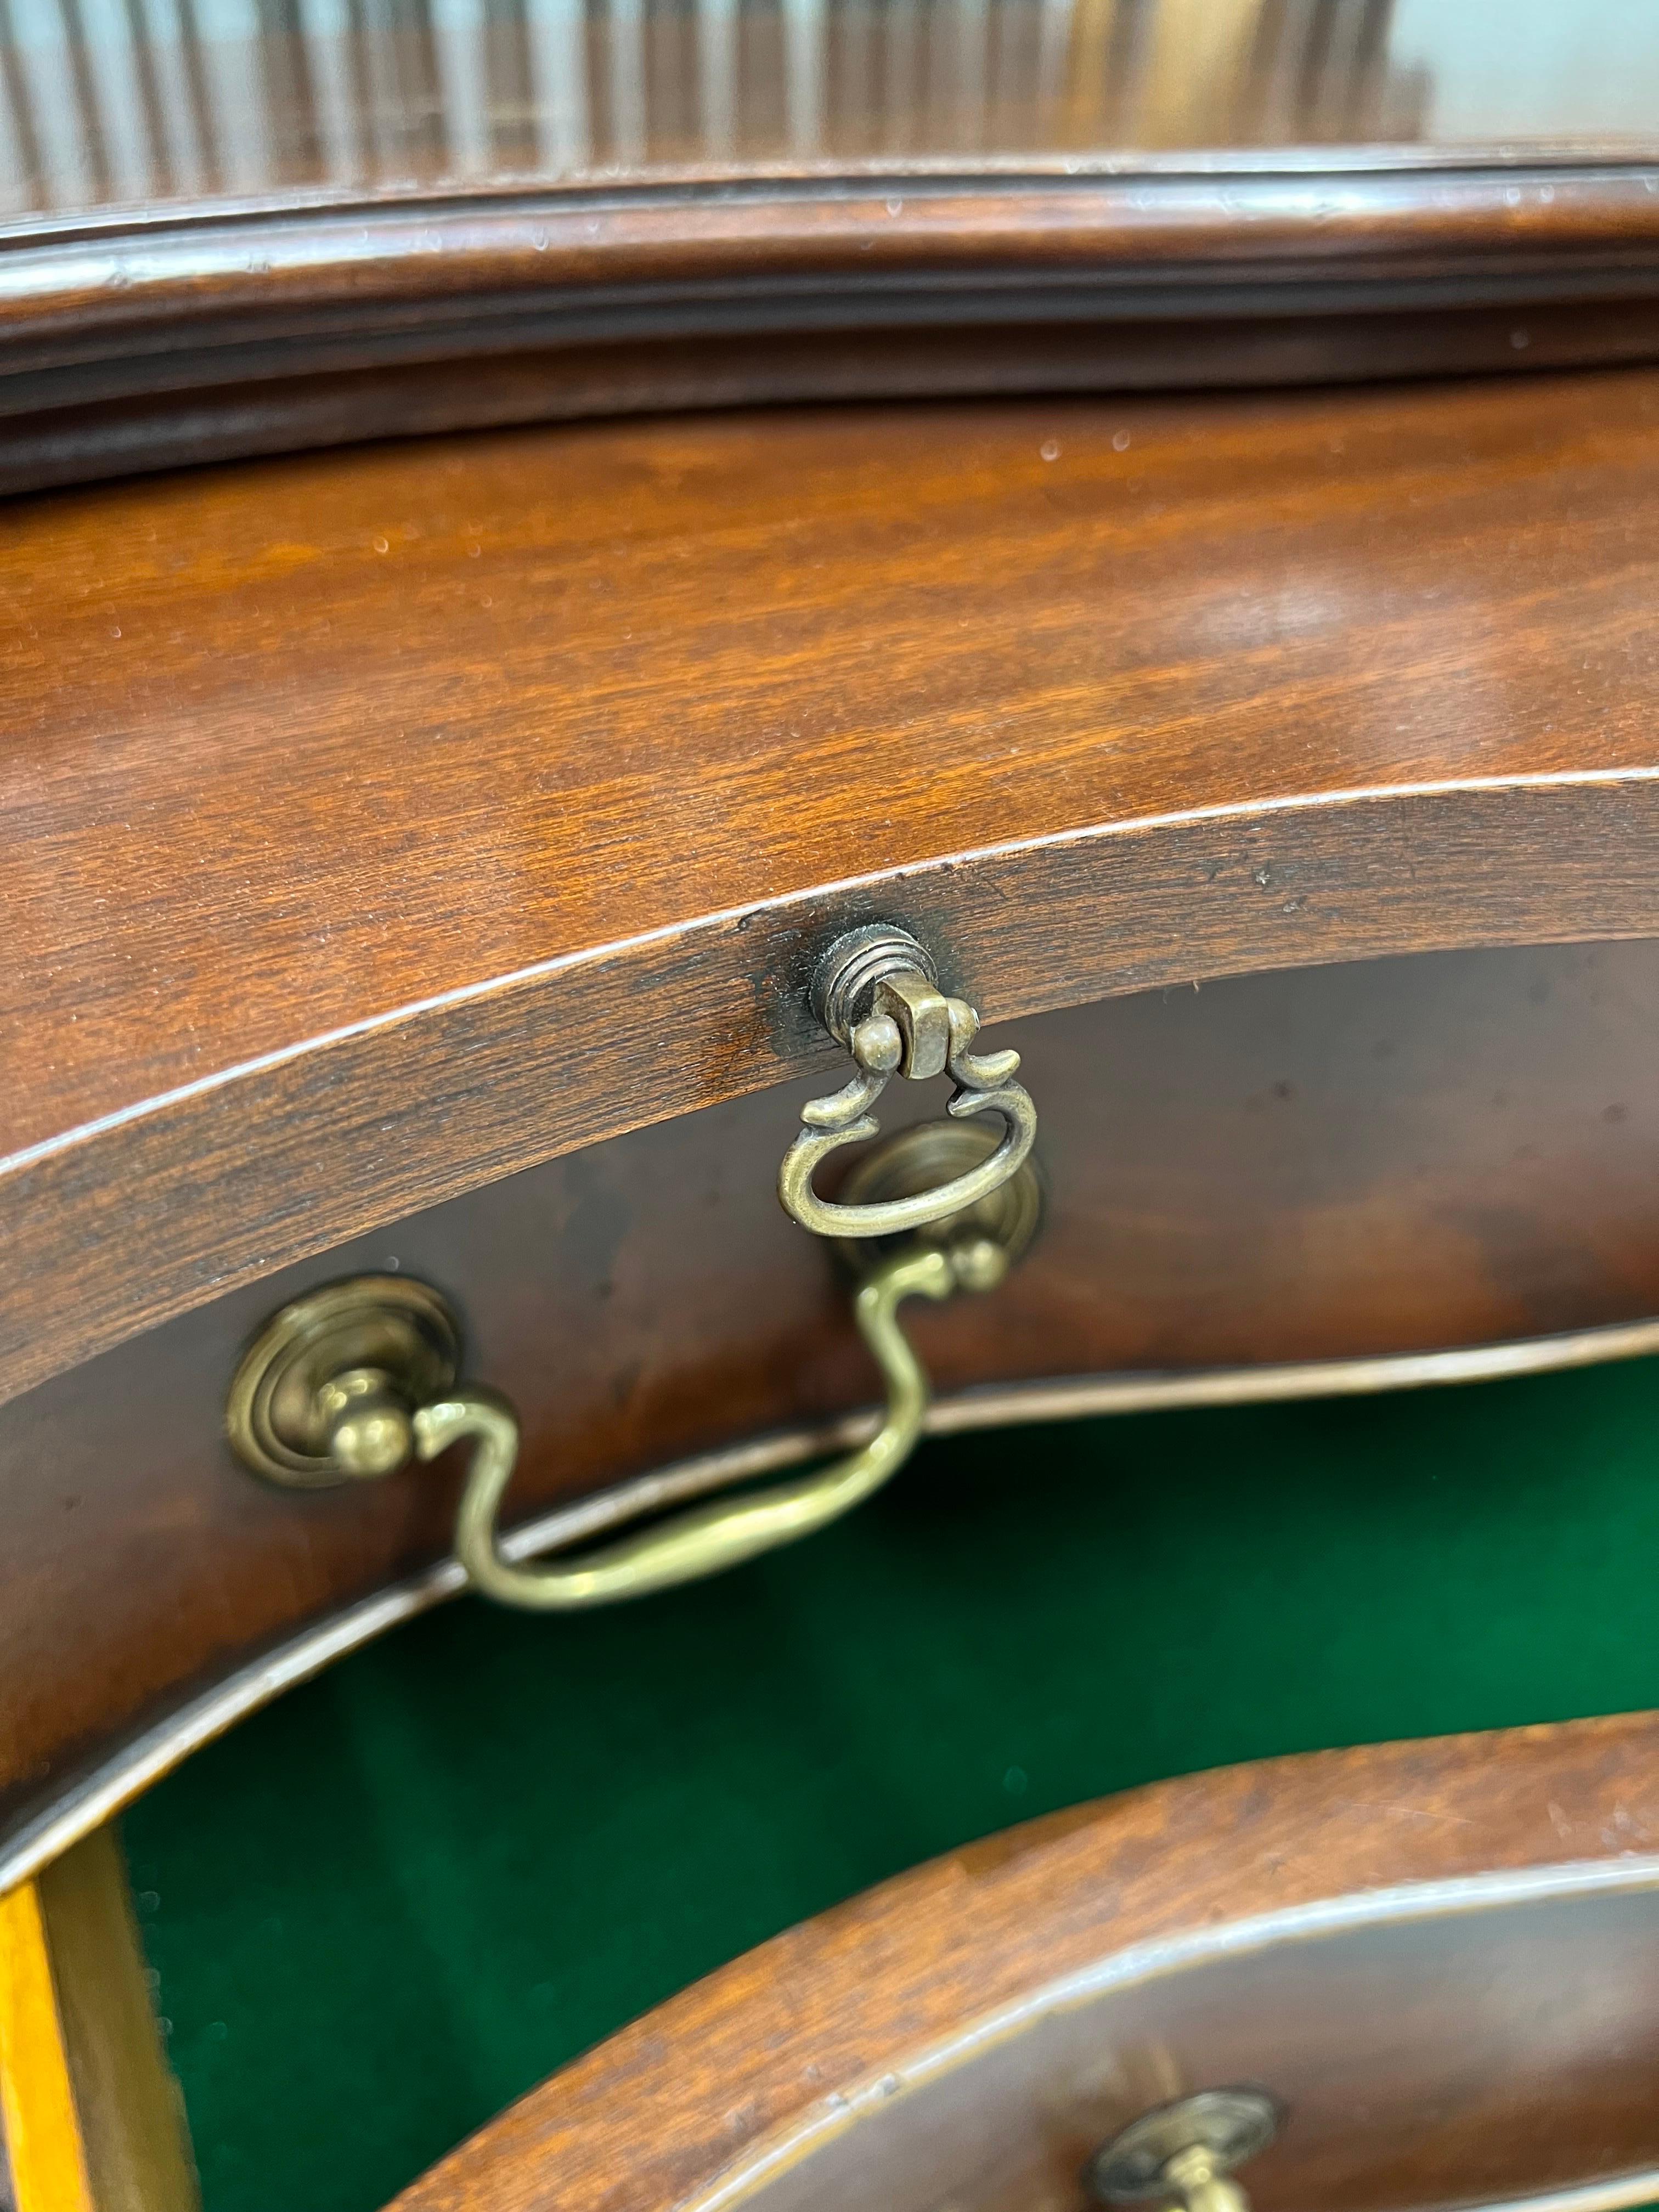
<point>379,825</point>
<point>1441,1149</point>
<point>134,339</point>
<point>211,324</point>
<point>52,440</point>
<point>969,2032</point>
<point>225,235</point>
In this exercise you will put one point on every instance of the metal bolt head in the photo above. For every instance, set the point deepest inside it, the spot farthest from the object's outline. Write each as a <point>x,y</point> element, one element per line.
<point>1232,2125</point>
<point>922,1013</point>
<point>849,976</point>
<point>371,1432</point>
<point>979,1263</point>
<point>373,1440</point>
<point>878,1044</point>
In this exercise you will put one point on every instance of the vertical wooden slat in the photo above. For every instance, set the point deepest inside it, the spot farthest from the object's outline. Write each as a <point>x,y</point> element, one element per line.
<point>902,36</point>
<point>141,47</point>
<point>626,28</point>
<point>297,137</point>
<point>803,65</point>
<point>37,2095</point>
<point>85,102</point>
<point>459,69</point>
<point>203,111</point>
<point>558,38</point>
<point>93,2119</point>
<point>717,77</point>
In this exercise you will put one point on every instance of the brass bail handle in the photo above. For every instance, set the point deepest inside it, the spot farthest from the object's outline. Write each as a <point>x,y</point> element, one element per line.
<point>705,1540</point>
<point>877,992</point>
<point>356,1380</point>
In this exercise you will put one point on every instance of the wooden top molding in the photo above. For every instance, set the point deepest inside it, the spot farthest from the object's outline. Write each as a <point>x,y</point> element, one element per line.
<point>377,824</point>
<point>220,237</point>
<point>135,341</point>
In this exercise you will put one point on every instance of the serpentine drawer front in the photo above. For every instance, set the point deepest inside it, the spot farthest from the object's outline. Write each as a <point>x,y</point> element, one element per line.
<point>1398,1171</point>
<point>521,1010</point>
<point>1239,1988</point>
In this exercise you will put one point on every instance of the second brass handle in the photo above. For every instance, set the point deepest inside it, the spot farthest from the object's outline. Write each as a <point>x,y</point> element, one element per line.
<point>705,1539</point>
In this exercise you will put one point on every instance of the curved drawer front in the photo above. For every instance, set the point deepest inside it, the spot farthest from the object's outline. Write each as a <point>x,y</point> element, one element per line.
<point>384,826</point>
<point>1450,2007</point>
<point>379,825</point>
<point>1285,1183</point>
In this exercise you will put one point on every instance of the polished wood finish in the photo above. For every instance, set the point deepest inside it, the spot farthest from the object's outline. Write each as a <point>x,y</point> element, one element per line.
<point>92,2116</point>
<point>456,829</point>
<point>1440,1956</point>
<point>138,345</point>
<point>1400,1155</point>
<point>380,824</point>
<point>47,442</point>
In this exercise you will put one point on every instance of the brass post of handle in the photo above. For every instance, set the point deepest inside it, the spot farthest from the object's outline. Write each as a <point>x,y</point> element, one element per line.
<point>358,1378</point>
<point>876,991</point>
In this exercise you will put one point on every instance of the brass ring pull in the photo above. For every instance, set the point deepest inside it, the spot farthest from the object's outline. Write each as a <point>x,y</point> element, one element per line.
<point>706,1539</point>
<point>877,992</point>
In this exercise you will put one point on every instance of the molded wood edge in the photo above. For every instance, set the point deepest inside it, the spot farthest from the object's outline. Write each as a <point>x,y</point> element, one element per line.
<point>117,1227</point>
<point>206,332</point>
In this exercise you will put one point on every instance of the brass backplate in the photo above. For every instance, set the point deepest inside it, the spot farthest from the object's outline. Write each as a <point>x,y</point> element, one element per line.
<point>391,1324</point>
<point>1232,2126</point>
<point>920,1158</point>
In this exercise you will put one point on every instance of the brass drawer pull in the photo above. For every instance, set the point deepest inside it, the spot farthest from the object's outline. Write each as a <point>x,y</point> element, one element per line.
<point>706,1539</point>
<point>355,1380</point>
<point>877,992</point>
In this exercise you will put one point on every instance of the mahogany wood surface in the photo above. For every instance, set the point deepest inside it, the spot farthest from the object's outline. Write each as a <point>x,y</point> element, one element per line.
<point>1442,1150</point>
<point>1439,1955</point>
<point>143,342</point>
<point>223,404</point>
<point>377,824</point>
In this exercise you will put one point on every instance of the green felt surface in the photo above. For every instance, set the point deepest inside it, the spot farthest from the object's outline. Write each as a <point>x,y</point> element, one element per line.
<point>385,1907</point>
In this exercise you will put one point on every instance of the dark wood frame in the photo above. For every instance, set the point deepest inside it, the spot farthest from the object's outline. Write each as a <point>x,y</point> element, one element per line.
<point>200,333</point>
